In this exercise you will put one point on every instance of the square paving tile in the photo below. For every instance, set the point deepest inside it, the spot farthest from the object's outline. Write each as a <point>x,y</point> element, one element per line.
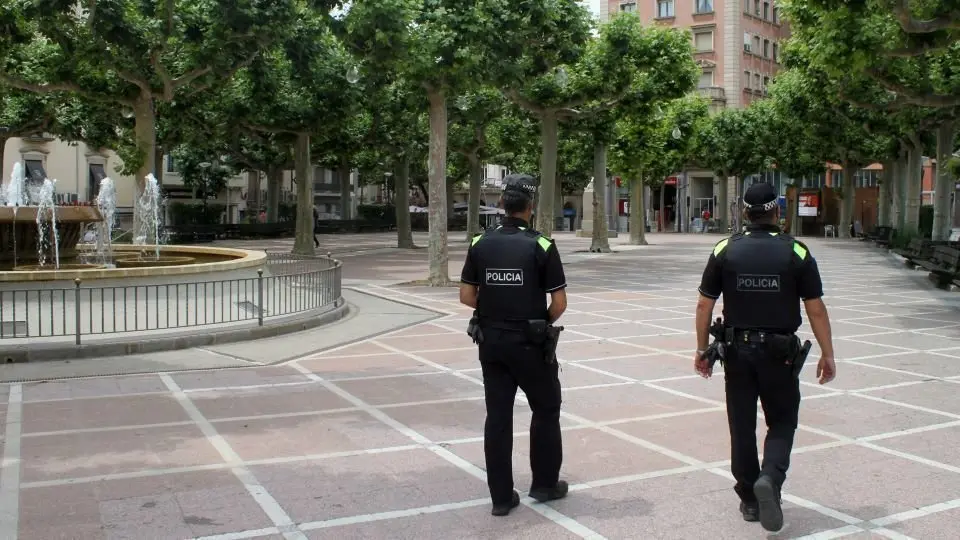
<point>573,376</point>
<point>845,349</point>
<point>168,506</point>
<point>616,402</point>
<point>367,484</point>
<point>411,389</point>
<point>936,395</point>
<point>362,348</point>
<point>714,388</point>
<point>935,365</point>
<point>938,444</point>
<point>455,360</point>
<point>340,367</point>
<point>56,457</point>
<point>679,343</point>
<point>458,340</point>
<point>475,523</point>
<point>588,455</point>
<point>215,404</point>
<point>93,387</point>
<point>704,436</point>
<point>681,506</point>
<point>866,483</point>
<point>939,526</point>
<point>619,330</point>
<point>592,348</point>
<point>102,412</point>
<point>853,416</point>
<point>856,377</point>
<point>920,342</point>
<point>646,367</point>
<point>238,377</point>
<point>307,435</point>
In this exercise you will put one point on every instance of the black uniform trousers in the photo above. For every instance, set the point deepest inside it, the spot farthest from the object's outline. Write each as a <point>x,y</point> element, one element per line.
<point>509,361</point>
<point>751,371</point>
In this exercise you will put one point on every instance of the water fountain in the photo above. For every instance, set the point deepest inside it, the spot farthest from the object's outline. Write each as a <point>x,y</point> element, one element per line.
<point>33,230</point>
<point>148,232</point>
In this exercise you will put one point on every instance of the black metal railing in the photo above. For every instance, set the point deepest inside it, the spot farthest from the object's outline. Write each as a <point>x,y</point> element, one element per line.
<point>293,284</point>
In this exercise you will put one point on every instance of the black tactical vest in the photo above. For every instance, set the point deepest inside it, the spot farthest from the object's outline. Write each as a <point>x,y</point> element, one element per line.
<point>760,274</point>
<point>511,280</point>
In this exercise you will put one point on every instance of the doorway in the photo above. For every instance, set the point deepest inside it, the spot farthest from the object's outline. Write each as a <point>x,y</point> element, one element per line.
<point>665,205</point>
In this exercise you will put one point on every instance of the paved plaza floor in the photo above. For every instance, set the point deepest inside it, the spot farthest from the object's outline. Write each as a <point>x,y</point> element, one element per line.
<point>382,438</point>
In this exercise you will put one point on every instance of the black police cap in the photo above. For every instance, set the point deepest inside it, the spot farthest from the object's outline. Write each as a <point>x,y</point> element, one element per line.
<point>760,197</point>
<point>522,183</point>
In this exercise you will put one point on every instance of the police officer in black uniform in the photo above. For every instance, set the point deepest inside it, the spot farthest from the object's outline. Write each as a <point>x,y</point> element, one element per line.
<point>763,274</point>
<point>506,278</point>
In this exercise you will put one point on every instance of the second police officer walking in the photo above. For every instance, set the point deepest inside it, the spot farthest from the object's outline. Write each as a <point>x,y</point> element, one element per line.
<point>506,277</point>
<point>762,274</point>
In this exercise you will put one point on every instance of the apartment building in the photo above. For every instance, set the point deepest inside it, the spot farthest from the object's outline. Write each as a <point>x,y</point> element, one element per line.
<point>737,47</point>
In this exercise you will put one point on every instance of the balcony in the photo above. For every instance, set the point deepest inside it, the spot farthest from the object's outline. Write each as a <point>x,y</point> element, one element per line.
<point>713,93</point>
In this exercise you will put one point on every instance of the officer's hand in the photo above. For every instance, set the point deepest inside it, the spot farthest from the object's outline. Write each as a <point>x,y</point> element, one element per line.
<point>826,369</point>
<point>702,365</point>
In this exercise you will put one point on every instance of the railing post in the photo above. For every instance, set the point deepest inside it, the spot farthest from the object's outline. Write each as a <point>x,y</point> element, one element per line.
<point>260,296</point>
<point>76,305</point>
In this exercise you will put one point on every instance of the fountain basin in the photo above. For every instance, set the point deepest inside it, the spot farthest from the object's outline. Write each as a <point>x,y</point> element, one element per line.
<point>19,234</point>
<point>205,262</point>
<point>152,260</point>
<point>63,267</point>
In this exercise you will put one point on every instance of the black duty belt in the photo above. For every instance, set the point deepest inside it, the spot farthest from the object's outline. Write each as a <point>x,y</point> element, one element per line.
<point>514,325</point>
<point>759,336</point>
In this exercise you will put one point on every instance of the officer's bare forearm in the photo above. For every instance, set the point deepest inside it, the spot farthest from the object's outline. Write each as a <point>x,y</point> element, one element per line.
<point>558,304</point>
<point>820,324</point>
<point>704,314</point>
<point>468,295</point>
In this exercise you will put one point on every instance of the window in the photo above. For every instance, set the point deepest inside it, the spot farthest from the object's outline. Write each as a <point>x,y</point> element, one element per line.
<point>776,15</point>
<point>766,11</point>
<point>34,172</point>
<point>766,48</point>
<point>703,40</point>
<point>756,81</point>
<point>664,9</point>
<point>746,42</point>
<point>746,79</point>
<point>629,7</point>
<point>776,53</point>
<point>756,7</point>
<point>756,44</point>
<point>96,174</point>
<point>766,82</point>
<point>703,6</point>
<point>171,166</point>
<point>706,79</point>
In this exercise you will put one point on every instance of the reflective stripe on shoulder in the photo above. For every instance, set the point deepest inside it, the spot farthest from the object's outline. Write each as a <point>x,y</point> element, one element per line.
<point>800,250</point>
<point>476,239</point>
<point>544,243</point>
<point>721,245</point>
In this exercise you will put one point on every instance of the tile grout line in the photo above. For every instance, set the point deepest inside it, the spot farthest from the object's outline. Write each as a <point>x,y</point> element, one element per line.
<point>564,521</point>
<point>10,472</point>
<point>270,506</point>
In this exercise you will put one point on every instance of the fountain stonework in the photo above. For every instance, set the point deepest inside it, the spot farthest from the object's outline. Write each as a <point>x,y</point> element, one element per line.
<point>19,234</point>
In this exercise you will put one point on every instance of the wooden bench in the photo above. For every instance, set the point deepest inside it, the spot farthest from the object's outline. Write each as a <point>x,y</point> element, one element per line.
<point>943,265</point>
<point>884,236</point>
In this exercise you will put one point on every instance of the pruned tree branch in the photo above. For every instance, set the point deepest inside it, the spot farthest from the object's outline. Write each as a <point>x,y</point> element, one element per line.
<point>901,10</point>
<point>515,97</point>
<point>48,88</point>
<point>909,96</point>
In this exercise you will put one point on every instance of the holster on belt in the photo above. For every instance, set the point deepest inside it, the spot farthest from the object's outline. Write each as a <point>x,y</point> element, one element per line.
<point>540,332</point>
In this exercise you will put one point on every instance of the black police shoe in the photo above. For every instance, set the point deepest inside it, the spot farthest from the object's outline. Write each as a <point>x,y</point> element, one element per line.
<point>558,491</point>
<point>768,495</point>
<point>504,509</point>
<point>750,511</point>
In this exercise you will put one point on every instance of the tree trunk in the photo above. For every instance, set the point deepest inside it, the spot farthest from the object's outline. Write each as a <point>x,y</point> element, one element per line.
<point>402,206</point>
<point>638,236</point>
<point>849,198</point>
<point>548,173</point>
<point>723,204</point>
<point>303,243</point>
<point>942,221</point>
<point>274,183</point>
<point>600,241</point>
<point>898,190</point>
<point>3,149</point>
<point>145,133</point>
<point>911,222</point>
<point>345,199</point>
<point>885,200</point>
<point>253,195</point>
<point>473,203</point>
<point>437,178</point>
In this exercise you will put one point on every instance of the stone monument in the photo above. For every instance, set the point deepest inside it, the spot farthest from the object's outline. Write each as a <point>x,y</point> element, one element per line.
<point>587,214</point>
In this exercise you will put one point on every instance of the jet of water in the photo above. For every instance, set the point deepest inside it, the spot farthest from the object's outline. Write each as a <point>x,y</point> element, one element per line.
<point>107,204</point>
<point>148,208</point>
<point>49,207</point>
<point>16,192</point>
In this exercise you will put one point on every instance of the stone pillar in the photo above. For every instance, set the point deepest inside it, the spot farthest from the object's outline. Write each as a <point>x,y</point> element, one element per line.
<point>723,206</point>
<point>586,218</point>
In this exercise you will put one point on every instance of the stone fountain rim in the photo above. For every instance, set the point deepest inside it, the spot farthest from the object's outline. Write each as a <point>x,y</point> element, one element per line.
<point>245,259</point>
